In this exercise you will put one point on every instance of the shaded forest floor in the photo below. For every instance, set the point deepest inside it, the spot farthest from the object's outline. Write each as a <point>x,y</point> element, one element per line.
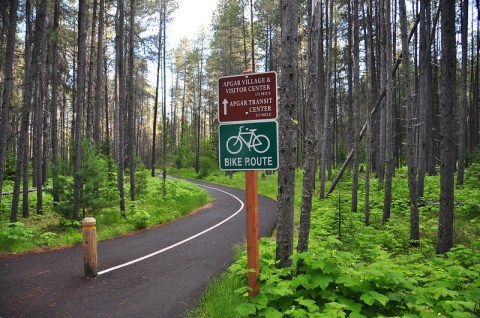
<point>362,271</point>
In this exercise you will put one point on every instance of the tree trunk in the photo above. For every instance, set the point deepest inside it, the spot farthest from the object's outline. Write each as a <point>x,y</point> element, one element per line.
<point>412,167</point>
<point>164,102</point>
<point>370,74</point>
<point>474,67</point>
<point>424,98</point>
<point>462,113</point>
<point>311,132</point>
<point>89,99</point>
<point>131,104</point>
<point>54,103</point>
<point>97,134</point>
<point>155,107</point>
<point>389,140</point>
<point>199,110</point>
<point>252,36</point>
<point>7,86</point>
<point>432,88</point>
<point>287,148</point>
<point>21,171</point>
<point>326,112</point>
<point>79,106</point>
<point>447,120</point>
<point>39,77</point>
<point>356,105</point>
<point>244,30</point>
<point>120,104</point>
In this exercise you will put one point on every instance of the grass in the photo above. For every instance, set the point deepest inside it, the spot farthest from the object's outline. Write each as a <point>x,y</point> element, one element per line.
<point>52,230</point>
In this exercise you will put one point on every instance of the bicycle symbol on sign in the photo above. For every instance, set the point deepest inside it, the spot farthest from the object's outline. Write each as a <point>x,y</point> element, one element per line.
<point>260,143</point>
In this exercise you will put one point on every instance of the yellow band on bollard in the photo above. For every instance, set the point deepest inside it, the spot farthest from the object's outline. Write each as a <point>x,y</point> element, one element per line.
<point>88,226</point>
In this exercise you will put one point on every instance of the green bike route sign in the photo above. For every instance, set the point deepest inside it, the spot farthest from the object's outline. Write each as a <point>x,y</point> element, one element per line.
<point>248,146</point>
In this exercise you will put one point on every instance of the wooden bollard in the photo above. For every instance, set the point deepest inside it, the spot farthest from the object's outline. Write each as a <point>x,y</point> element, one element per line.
<point>89,234</point>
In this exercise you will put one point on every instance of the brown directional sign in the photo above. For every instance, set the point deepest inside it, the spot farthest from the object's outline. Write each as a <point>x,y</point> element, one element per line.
<point>247,97</point>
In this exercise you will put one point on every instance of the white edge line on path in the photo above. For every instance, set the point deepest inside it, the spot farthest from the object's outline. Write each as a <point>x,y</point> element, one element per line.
<point>181,242</point>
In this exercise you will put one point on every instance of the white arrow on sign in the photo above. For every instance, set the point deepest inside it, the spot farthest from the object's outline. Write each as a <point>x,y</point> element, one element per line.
<point>225,103</point>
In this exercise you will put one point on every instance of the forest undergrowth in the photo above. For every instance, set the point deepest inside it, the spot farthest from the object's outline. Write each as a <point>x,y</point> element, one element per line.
<point>55,228</point>
<point>353,270</point>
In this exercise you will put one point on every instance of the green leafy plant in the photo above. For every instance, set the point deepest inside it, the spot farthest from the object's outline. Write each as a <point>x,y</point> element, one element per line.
<point>138,218</point>
<point>369,271</point>
<point>17,231</point>
<point>141,175</point>
<point>47,238</point>
<point>98,190</point>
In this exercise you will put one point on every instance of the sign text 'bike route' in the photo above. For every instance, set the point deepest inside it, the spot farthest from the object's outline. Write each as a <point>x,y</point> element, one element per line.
<point>248,146</point>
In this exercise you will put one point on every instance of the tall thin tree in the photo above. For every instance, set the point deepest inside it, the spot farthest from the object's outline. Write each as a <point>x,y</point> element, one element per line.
<point>39,97</point>
<point>54,102</point>
<point>389,133</point>
<point>326,97</point>
<point>80,92</point>
<point>411,145</point>
<point>424,98</point>
<point>157,90</point>
<point>287,147</point>
<point>7,85</point>
<point>447,127</point>
<point>131,102</point>
<point>356,105</point>
<point>99,87</point>
<point>370,99</point>
<point>311,131</point>
<point>120,102</point>
<point>463,104</point>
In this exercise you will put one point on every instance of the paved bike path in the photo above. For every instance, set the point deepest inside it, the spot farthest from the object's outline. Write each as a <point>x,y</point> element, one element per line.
<point>164,285</point>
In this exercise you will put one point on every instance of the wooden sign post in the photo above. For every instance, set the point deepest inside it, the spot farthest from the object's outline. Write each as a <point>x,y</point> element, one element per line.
<point>252,231</point>
<point>248,140</point>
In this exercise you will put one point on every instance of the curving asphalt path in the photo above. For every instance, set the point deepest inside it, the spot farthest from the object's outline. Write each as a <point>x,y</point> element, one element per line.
<point>166,284</point>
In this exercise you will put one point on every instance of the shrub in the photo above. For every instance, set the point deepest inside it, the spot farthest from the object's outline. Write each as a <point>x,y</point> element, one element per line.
<point>10,167</point>
<point>47,238</point>
<point>141,176</point>
<point>207,164</point>
<point>140,219</point>
<point>16,232</point>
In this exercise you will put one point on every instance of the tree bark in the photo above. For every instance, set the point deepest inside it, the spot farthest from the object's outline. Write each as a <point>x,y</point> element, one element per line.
<point>164,102</point>
<point>54,103</point>
<point>412,167</point>
<point>462,108</point>
<point>287,148</point>
<point>21,171</point>
<point>311,132</point>
<point>326,104</point>
<point>7,86</point>
<point>447,120</point>
<point>120,103</point>
<point>39,77</point>
<point>155,107</point>
<point>389,141</point>
<point>89,100</point>
<point>356,105</point>
<point>79,106</point>
<point>370,75</point>
<point>97,134</point>
<point>424,98</point>
<point>252,36</point>
<point>131,104</point>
